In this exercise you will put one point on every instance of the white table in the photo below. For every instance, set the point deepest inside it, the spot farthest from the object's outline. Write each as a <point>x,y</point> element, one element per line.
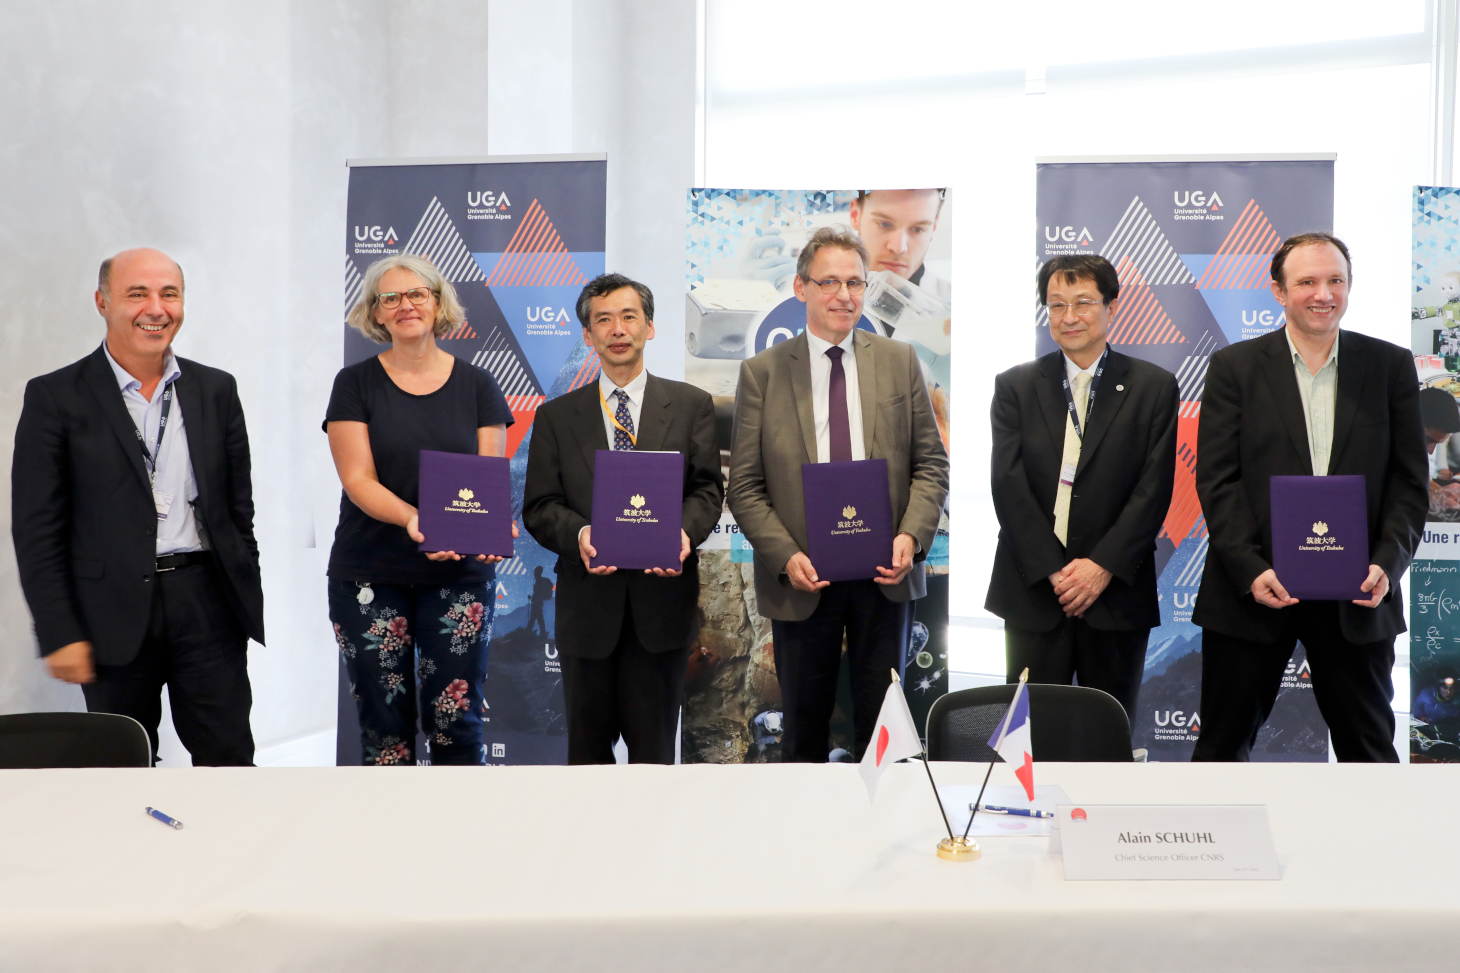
<point>698,868</point>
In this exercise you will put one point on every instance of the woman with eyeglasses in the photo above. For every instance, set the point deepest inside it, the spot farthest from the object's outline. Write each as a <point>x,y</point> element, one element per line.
<point>399,613</point>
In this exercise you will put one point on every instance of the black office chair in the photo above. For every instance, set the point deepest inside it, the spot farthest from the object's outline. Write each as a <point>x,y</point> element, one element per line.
<point>1072,723</point>
<point>32,740</point>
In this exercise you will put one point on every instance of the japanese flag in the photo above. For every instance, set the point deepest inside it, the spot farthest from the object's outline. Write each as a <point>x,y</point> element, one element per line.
<point>895,737</point>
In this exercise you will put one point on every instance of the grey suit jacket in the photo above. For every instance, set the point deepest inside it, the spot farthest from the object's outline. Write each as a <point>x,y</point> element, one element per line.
<point>775,433</point>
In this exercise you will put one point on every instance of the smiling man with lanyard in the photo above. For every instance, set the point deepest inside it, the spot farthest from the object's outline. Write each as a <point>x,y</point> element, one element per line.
<point>132,514</point>
<point>623,636</point>
<point>1074,575</point>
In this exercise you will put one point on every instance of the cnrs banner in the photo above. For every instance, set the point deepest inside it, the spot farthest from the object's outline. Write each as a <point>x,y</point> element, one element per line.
<point>739,301</point>
<point>518,240</point>
<point>1192,242</point>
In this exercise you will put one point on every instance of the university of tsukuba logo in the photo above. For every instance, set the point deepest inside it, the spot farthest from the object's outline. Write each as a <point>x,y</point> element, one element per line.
<point>465,494</point>
<point>1320,528</point>
<point>849,512</point>
<point>637,501</point>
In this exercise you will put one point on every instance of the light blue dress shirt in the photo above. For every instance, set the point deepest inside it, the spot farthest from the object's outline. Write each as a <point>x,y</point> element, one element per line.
<point>180,531</point>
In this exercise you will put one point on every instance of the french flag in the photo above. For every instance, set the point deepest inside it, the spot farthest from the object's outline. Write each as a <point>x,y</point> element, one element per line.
<point>1011,740</point>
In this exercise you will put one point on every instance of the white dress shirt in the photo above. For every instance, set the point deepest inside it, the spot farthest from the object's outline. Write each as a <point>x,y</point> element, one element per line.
<point>821,387</point>
<point>180,531</point>
<point>635,392</point>
<point>1071,370</point>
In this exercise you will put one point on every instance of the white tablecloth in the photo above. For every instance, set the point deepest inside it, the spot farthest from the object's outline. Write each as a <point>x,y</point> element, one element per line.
<point>698,868</point>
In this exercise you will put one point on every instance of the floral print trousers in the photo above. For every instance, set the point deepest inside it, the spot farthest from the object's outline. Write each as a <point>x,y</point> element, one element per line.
<point>433,634</point>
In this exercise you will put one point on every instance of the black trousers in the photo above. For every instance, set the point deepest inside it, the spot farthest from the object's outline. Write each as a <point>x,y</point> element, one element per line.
<point>195,647</point>
<point>808,658</point>
<point>1073,653</point>
<point>634,693</point>
<point>1352,684</point>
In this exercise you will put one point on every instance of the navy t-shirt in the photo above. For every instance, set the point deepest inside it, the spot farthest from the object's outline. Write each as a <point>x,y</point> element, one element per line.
<point>401,425</point>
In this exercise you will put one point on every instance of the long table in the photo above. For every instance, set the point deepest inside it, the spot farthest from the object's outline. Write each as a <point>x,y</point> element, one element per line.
<point>698,868</point>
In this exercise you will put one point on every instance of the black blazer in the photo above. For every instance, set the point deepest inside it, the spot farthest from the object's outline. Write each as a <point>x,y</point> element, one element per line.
<point>1121,493</point>
<point>558,502</point>
<point>81,510</point>
<point>1252,428</point>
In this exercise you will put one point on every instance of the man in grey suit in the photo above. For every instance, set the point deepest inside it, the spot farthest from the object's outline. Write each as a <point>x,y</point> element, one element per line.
<point>830,394</point>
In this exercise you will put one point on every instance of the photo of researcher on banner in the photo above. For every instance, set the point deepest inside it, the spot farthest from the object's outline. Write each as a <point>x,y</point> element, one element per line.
<point>1434,585</point>
<point>517,241</point>
<point>1192,244</point>
<point>740,300</point>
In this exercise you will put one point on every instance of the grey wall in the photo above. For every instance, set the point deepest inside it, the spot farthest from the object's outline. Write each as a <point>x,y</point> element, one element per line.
<point>218,132</point>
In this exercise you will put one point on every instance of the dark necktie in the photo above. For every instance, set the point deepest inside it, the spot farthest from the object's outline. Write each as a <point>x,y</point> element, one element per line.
<point>841,426</point>
<point>623,440</point>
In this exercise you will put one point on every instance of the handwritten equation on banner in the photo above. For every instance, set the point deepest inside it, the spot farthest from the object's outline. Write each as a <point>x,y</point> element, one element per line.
<point>1434,609</point>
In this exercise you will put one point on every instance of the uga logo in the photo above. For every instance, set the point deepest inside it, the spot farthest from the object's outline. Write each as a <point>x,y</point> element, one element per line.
<point>1178,718</point>
<point>546,313</point>
<point>1067,234</point>
<point>375,234</point>
<point>1196,198</point>
<point>486,197</point>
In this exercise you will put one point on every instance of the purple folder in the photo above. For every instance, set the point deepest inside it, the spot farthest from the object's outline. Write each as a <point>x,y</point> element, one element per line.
<point>465,503</point>
<point>1320,536</point>
<point>638,509</point>
<point>848,518</point>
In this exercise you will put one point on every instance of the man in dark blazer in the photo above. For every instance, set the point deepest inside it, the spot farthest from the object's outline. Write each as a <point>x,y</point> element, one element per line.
<point>1079,507</point>
<point>834,393</point>
<point>132,515</point>
<point>1308,399</point>
<point>623,636</point>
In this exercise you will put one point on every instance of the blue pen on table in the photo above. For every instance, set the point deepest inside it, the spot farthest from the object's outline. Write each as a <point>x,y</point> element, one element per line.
<point>1020,811</point>
<point>170,822</point>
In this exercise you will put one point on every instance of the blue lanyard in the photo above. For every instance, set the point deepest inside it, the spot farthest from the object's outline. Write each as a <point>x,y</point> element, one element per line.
<point>151,458</point>
<point>1090,398</point>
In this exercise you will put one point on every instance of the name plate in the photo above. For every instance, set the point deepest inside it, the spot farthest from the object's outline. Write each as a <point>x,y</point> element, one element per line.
<point>1104,842</point>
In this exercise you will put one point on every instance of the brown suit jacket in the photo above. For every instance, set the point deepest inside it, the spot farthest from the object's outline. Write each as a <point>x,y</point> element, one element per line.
<point>775,433</point>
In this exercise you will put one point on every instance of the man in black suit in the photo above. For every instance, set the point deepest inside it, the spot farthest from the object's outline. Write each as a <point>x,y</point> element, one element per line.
<point>623,637</point>
<point>132,515</point>
<point>1083,463</point>
<point>1306,400</point>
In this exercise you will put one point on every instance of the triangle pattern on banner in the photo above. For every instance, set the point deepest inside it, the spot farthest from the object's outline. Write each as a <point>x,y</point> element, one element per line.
<point>435,237</point>
<point>1138,237</point>
<point>354,284</point>
<point>1243,260</point>
<point>536,256</point>
<point>1139,319</point>
<point>1185,510</point>
<point>518,388</point>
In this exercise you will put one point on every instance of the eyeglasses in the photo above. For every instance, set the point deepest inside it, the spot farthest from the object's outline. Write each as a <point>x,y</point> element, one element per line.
<point>416,295</point>
<point>832,286</point>
<point>1082,309</point>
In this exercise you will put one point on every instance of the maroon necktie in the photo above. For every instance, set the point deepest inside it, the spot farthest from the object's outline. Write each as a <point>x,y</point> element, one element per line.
<point>841,426</point>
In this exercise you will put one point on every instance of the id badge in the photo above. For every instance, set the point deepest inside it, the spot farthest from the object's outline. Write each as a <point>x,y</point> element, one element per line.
<point>163,502</point>
<point>1067,474</point>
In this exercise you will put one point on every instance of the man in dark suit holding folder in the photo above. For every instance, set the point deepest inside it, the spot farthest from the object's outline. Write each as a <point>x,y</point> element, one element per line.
<point>1080,505</point>
<point>1308,399</point>
<point>623,636</point>
<point>833,393</point>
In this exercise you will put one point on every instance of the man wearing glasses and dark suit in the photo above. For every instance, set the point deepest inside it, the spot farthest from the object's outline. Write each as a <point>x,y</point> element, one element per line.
<point>834,393</point>
<point>1083,463</point>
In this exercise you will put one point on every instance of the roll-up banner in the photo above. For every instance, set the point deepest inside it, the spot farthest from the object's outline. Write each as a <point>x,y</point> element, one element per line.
<point>741,257</point>
<point>518,237</point>
<point>1192,240</point>
<point>1434,575</point>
